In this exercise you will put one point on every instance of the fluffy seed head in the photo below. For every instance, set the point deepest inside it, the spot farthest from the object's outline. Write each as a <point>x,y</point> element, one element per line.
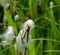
<point>29,23</point>
<point>51,4</point>
<point>16,17</point>
<point>7,5</point>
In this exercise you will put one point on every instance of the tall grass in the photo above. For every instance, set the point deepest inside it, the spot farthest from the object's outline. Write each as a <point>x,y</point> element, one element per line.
<point>46,34</point>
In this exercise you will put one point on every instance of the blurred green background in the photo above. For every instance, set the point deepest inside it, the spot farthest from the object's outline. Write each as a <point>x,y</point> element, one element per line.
<point>46,16</point>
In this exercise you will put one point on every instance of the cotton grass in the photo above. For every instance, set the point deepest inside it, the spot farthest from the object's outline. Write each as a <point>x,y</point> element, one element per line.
<point>21,40</point>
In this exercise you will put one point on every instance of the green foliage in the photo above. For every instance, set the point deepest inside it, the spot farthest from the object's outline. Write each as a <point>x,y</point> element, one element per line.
<point>46,34</point>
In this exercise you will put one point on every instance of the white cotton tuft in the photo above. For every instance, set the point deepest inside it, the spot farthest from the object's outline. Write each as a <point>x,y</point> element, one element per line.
<point>20,46</point>
<point>29,23</point>
<point>5,43</point>
<point>7,5</point>
<point>51,4</point>
<point>16,17</point>
<point>8,36</point>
